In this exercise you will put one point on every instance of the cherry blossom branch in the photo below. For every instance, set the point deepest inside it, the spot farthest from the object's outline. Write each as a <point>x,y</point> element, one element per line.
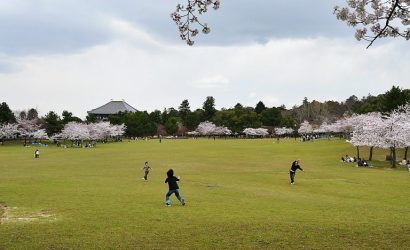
<point>186,18</point>
<point>376,16</point>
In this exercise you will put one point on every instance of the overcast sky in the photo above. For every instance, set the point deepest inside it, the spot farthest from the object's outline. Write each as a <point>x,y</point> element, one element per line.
<point>77,55</point>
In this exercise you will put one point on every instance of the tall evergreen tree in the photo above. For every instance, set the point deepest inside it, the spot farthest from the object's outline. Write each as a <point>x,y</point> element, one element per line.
<point>209,108</point>
<point>53,123</point>
<point>184,110</point>
<point>32,114</point>
<point>260,106</point>
<point>393,98</point>
<point>6,115</point>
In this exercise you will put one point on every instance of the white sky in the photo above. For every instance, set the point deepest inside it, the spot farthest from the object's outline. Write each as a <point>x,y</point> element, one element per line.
<point>75,56</point>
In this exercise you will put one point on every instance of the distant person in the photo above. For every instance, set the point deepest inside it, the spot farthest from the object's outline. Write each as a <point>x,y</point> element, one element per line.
<point>292,171</point>
<point>146,169</point>
<point>36,153</point>
<point>173,188</point>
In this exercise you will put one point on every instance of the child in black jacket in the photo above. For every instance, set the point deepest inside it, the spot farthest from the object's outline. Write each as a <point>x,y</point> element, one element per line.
<point>173,188</point>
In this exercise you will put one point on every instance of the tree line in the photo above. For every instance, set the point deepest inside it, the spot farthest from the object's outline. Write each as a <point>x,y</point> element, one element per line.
<point>179,121</point>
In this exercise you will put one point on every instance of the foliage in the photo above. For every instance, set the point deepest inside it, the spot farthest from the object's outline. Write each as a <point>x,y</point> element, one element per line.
<point>172,125</point>
<point>192,120</point>
<point>260,106</point>
<point>139,124</point>
<point>271,117</point>
<point>184,110</point>
<point>68,117</point>
<point>32,114</point>
<point>91,118</point>
<point>53,123</point>
<point>209,108</point>
<point>6,115</point>
<point>156,117</point>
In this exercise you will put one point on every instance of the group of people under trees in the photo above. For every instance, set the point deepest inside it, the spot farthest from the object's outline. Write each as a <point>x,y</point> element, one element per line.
<point>360,162</point>
<point>173,187</point>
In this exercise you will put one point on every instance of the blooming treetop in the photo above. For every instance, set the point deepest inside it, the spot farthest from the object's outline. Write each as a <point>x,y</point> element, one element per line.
<point>396,125</point>
<point>40,134</point>
<point>367,130</point>
<point>376,18</point>
<point>8,131</point>
<point>256,131</point>
<point>284,131</point>
<point>93,131</point>
<point>305,128</point>
<point>208,128</point>
<point>28,127</point>
<point>406,125</point>
<point>186,18</point>
<point>117,130</point>
<point>324,128</point>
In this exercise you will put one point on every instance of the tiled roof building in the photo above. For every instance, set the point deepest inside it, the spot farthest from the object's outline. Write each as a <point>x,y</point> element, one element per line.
<point>111,108</point>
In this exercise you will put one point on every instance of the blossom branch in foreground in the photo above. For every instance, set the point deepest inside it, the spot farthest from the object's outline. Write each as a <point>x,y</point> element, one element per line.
<point>186,18</point>
<point>376,18</point>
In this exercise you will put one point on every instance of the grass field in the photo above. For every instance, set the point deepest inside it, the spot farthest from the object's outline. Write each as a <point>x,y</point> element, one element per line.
<point>237,193</point>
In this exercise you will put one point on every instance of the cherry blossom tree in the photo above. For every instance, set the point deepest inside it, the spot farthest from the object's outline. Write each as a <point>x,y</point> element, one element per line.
<point>28,127</point>
<point>406,129</point>
<point>256,131</point>
<point>8,131</point>
<point>305,128</point>
<point>186,18</point>
<point>367,131</point>
<point>40,134</point>
<point>75,131</point>
<point>283,131</point>
<point>209,128</point>
<point>375,19</point>
<point>395,126</point>
<point>78,132</point>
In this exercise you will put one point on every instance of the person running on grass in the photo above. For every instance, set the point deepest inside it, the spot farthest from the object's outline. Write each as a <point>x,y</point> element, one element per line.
<point>173,188</point>
<point>146,169</point>
<point>292,171</point>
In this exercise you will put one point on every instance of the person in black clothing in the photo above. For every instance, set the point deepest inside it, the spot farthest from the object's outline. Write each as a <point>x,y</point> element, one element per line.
<point>173,188</point>
<point>292,171</point>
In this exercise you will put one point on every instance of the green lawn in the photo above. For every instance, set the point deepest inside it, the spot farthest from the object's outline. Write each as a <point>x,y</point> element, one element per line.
<point>237,192</point>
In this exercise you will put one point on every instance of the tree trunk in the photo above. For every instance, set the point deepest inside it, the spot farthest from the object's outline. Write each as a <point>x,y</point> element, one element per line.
<point>393,158</point>
<point>358,153</point>
<point>371,153</point>
<point>405,153</point>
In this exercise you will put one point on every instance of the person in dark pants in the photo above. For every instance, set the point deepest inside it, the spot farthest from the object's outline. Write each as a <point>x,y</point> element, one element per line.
<point>292,171</point>
<point>146,169</point>
<point>173,188</point>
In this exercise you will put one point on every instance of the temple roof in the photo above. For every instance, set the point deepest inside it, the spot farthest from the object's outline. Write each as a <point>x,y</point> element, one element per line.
<point>113,107</point>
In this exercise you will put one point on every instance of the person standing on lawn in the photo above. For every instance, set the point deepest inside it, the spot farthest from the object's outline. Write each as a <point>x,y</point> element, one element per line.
<point>292,171</point>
